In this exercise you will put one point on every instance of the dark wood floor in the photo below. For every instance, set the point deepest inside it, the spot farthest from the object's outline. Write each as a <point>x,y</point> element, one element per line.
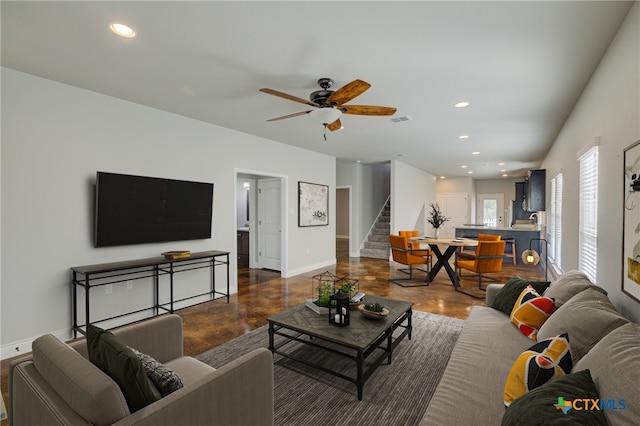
<point>262,293</point>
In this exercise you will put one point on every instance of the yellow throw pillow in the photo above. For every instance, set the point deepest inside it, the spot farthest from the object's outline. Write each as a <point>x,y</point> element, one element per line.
<point>537,365</point>
<point>531,311</point>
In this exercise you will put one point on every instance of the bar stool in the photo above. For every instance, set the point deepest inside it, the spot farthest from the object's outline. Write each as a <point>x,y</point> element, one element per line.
<point>511,242</point>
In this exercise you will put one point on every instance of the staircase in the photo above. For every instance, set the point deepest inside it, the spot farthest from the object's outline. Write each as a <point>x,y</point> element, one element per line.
<point>377,244</point>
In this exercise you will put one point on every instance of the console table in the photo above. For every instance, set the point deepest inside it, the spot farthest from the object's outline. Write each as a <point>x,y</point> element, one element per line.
<point>92,276</point>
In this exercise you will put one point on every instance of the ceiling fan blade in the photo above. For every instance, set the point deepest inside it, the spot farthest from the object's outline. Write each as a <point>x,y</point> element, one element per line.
<point>336,125</point>
<point>367,110</point>
<point>295,114</point>
<point>348,92</point>
<point>287,96</point>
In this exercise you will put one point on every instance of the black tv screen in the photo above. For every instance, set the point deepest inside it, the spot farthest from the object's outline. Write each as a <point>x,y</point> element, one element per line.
<point>137,209</point>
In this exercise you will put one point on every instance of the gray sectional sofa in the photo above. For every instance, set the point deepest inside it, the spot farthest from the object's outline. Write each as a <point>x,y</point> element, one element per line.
<point>602,341</point>
<point>58,385</point>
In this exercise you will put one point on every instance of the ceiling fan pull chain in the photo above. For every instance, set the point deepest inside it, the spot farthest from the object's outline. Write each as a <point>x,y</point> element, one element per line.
<point>325,132</point>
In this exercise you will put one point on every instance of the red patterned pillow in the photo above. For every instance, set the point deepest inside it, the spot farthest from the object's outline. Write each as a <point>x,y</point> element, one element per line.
<point>531,311</point>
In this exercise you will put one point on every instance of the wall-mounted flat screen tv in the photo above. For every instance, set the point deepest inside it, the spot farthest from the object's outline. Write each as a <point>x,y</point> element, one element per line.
<point>137,210</point>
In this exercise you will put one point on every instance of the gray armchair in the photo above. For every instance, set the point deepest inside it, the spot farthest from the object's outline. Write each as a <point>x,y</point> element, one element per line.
<point>58,385</point>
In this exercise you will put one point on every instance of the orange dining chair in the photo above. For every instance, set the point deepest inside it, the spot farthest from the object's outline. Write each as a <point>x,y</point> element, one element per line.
<point>402,253</point>
<point>481,237</point>
<point>487,259</point>
<point>415,245</point>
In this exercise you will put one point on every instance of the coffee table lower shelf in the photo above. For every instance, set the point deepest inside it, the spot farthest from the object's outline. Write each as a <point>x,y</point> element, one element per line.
<point>376,351</point>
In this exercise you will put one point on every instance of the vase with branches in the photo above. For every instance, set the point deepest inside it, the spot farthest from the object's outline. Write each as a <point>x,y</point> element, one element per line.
<point>436,218</point>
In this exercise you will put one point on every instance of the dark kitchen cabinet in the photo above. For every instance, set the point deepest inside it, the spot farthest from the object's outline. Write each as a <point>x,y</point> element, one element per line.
<point>535,198</point>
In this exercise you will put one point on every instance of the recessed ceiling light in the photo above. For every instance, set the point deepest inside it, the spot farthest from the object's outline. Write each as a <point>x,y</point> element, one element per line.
<point>503,170</point>
<point>500,164</point>
<point>464,166</point>
<point>505,175</point>
<point>463,137</point>
<point>475,153</point>
<point>441,177</point>
<point>122,30</point>
<point>470,172</point>
<point>462,104</point>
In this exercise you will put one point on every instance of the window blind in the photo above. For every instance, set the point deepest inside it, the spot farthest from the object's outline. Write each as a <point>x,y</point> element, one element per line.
<point>588,223</point>
<point>555,221</point>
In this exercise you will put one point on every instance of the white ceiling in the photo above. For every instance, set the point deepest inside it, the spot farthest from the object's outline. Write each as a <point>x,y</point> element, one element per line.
<point>521,65</point>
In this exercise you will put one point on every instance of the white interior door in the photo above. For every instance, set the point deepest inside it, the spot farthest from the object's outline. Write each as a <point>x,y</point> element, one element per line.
<point>490,210</point>
<point>269,224</point>
<point>454,206</point>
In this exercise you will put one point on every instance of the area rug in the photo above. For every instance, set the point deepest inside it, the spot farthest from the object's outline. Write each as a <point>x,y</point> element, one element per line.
<point>396,394</point>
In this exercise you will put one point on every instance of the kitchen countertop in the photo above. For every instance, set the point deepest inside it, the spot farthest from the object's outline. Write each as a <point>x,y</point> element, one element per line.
<point>504,228</point>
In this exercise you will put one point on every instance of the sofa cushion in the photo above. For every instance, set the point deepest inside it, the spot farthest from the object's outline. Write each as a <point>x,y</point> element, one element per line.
<point>531,311</point>
<point>505,300</point>
<point>87,390</point>
<point>165,379</point>
<point>123,366</point>
<point>551,403</point>
<point>614,363</point>
<point>587,317</point>
<point>568,285</point>
<point>537,365</point>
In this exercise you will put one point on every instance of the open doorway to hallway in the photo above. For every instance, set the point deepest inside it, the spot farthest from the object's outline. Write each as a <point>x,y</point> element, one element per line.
<point>343,218</point>
<point>260,222</point>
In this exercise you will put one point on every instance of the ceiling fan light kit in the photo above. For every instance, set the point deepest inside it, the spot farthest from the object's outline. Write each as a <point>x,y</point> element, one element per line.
<point>329,104</point>
<point>325,115</point>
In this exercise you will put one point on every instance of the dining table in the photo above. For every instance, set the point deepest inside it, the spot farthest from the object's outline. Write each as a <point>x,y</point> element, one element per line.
<point>452,245</point>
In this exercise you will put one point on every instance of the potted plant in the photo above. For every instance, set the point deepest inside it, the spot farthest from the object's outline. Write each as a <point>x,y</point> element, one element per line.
<point>349,286</point>
<point>325,290</point>
<point>436,218</point>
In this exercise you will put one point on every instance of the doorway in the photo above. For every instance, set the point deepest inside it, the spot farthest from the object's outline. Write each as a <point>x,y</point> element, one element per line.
<point>490,210</point>
<point>455,207</point>
<point>260,198</point>
<point>343,221</point>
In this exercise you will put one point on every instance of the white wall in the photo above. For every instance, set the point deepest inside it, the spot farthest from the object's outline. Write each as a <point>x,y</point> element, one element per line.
<point>609,109</point>
<point>413,191</point>
<point>54,139</point>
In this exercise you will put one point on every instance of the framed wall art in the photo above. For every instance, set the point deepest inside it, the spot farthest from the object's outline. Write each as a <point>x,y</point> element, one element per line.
<point>313,204</point>
<point>631,223</point>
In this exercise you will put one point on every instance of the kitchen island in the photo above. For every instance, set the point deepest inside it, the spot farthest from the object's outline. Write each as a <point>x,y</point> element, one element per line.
<point>520,236</point>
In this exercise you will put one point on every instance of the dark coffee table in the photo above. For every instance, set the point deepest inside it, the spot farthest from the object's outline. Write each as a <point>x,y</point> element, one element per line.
<point>364,338</point>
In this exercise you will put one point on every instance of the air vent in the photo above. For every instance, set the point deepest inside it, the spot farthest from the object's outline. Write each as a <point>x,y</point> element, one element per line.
<point>400,119</point>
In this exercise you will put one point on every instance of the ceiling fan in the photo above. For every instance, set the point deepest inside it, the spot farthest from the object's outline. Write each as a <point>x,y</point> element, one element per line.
<point>330,104</point>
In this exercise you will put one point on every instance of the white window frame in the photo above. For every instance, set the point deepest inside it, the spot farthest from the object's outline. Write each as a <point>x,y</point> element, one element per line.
<point>588,212</point>
<point>555,222</point>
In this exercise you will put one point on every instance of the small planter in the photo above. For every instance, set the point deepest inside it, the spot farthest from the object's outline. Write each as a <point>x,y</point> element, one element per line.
<point>375,314</point>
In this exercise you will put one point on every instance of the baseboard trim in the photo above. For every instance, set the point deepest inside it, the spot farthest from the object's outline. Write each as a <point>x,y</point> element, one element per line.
<point>24,347</point>
<point>309,268</point>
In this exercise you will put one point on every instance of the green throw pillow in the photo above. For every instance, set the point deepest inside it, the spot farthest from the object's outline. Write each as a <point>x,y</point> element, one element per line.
<point>507,296</point>
<point>551,404</point>
<point>123,366</point>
